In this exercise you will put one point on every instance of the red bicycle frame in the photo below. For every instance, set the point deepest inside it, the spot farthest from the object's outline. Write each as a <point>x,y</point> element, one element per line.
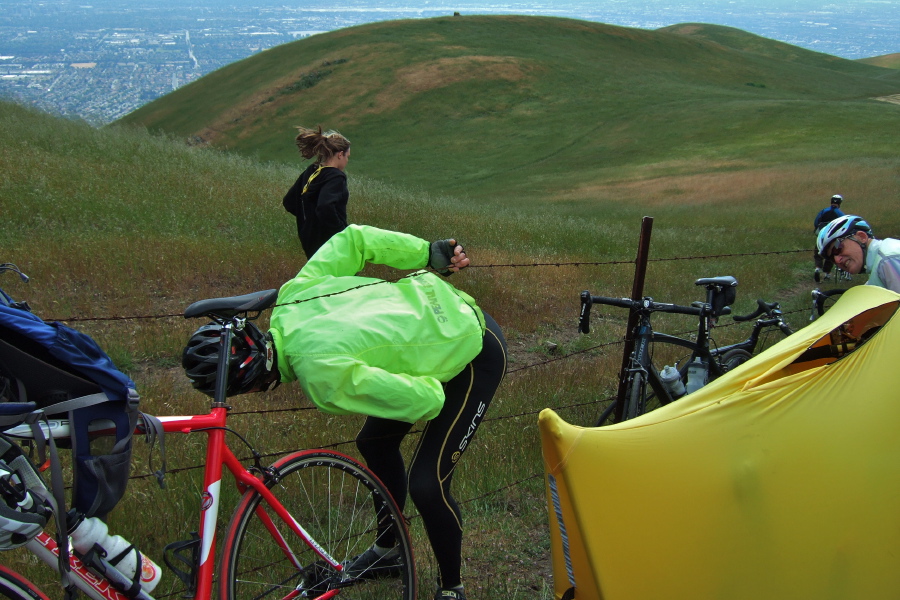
<point>218,454</point>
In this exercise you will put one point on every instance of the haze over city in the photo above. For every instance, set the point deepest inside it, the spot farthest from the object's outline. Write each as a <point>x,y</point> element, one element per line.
<point>99,60</point>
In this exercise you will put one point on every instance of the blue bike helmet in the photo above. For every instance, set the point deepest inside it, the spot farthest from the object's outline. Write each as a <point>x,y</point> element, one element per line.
<point>839,229</point>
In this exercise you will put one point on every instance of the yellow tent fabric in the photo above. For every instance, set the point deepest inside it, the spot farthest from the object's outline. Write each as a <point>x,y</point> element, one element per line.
<point>780,480</point>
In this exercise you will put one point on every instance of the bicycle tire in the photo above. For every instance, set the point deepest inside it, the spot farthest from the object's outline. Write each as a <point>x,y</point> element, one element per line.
<point>334,499</point>
<point>827,298</point>
<point>734,358</point>
<point>15,587</point>
<point>635,405</point>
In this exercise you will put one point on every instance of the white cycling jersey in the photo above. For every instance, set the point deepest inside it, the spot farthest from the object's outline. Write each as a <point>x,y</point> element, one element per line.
<point>883,263</point>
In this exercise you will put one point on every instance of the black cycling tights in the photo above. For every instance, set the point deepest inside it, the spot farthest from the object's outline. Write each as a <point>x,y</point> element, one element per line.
<point>443,441</point>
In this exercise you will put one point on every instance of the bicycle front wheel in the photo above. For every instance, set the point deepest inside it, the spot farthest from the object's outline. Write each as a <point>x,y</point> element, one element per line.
<point>636,400</point>
<point>342,506</point>
<point>734,358</point>
<point>15,587</point>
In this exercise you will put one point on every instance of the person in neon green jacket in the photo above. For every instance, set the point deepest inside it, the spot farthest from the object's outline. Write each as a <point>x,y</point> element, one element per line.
<point>393,372</point>
<point>397,352</point>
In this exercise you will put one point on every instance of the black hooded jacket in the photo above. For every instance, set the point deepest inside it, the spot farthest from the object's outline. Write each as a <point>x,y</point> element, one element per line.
<point>322,211</point>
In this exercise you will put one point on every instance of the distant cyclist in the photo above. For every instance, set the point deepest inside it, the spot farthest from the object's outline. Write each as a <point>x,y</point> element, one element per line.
<point>823,218</point>
<point>850,242</point>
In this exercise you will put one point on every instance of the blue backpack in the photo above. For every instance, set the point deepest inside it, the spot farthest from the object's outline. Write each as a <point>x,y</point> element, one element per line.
<point>67,374</point>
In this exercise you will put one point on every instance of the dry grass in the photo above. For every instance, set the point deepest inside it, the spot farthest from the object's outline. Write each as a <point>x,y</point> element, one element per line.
<point>733,183</point>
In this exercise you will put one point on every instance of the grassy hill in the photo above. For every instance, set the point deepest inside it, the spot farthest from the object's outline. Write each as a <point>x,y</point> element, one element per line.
<point>888,61</point>
<point>120,230</point>
<point>560,134</point>
<point>537,109</point>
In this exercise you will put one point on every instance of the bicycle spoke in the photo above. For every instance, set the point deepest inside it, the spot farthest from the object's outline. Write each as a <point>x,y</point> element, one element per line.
<point>338,503</point>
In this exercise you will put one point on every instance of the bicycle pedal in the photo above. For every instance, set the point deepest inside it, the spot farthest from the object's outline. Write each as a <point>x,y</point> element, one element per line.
<point>187,553</point>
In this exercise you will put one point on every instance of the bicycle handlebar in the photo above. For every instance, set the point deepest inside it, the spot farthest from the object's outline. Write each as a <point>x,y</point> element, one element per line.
<point>645,304</point>
<point>11,267</point>
<point>762,308</point>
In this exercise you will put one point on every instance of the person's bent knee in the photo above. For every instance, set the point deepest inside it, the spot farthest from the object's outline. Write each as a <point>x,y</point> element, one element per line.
<point>369,447</point>
<point>425,491</point>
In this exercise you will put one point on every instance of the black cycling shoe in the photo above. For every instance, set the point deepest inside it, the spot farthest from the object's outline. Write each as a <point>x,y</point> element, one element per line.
<point>369,565</point>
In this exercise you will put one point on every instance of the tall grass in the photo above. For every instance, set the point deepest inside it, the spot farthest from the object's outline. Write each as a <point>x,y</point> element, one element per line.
<point>119,223</point>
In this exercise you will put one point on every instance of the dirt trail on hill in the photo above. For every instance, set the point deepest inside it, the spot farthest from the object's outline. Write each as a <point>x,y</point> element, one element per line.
<point>895,99</point>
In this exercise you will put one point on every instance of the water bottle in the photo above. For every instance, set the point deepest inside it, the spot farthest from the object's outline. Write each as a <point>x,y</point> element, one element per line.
<point>671,378</point>
<point>696,375</point>
<point>91,531</point>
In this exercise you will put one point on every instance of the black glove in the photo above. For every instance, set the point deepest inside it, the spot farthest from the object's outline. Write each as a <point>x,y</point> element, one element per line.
<point>440,255</point>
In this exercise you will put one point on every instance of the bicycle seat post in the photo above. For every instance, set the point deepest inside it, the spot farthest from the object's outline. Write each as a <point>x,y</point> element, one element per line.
<point>226,335</point>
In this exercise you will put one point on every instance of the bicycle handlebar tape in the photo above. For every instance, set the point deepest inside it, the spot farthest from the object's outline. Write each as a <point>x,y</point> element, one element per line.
<point>584,320</point>
<point>439,257</point>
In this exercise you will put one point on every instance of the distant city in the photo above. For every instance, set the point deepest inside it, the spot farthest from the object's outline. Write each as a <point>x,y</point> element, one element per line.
<point>99,60</point>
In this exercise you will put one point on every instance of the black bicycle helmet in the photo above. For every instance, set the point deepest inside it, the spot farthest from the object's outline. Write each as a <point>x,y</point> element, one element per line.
<point>250,365</point>
<point>23,507</point>
<point>837,199</point>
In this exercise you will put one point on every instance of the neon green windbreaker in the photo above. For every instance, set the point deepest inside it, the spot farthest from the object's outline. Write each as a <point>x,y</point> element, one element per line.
<point>380,350</point>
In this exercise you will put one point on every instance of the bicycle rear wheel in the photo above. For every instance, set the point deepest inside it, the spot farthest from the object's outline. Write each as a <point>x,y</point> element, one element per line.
<point>15,587</point>
<point>334,499</point>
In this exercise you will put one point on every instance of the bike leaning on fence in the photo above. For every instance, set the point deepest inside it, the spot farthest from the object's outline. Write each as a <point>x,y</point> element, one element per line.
<point>822,300</point>
<point>646,387</point>
<point>297,528</point>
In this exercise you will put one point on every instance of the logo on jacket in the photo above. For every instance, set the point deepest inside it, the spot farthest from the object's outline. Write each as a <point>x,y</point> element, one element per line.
<point>436,307</point>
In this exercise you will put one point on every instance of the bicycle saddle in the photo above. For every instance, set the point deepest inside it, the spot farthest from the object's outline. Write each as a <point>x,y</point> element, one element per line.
<point>226,308</point>
<point>726,281</point>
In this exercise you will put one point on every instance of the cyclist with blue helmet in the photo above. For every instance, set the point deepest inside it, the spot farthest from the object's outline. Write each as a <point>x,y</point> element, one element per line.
<point>850,242</point>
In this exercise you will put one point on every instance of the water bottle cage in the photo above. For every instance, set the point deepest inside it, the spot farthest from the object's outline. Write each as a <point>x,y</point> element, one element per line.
<point>187,554</point>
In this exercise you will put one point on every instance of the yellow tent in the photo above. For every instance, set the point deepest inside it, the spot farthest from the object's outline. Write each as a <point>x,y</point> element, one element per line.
<point>780,480</point>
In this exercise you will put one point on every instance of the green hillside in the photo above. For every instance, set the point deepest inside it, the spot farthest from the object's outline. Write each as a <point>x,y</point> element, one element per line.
<point>888,61</point>
<point>121,230</point>
<point>537,109</point>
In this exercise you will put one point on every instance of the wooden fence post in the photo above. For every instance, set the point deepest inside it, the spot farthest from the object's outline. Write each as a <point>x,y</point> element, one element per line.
<point>637,292</point>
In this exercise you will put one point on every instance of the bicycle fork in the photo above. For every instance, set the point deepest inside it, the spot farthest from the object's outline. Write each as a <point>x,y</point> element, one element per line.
<point>217,453</point>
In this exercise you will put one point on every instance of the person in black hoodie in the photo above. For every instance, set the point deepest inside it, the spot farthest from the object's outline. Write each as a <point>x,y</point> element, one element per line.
<point>319,196</point>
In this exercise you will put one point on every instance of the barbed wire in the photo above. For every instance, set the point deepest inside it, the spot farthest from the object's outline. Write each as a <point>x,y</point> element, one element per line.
<point>334,445</point>
<point>419,273</point>
<point>485,420</point>
<point>631,262</point>
<point>520,369</point>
